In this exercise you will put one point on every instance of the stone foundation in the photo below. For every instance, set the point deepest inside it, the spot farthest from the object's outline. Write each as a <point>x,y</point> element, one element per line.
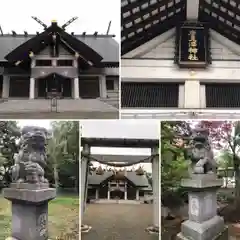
<point>203,222</point>
<point>29,210</point>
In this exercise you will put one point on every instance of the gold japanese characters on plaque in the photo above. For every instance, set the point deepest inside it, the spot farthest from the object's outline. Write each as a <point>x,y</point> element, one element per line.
<point>192,47</point>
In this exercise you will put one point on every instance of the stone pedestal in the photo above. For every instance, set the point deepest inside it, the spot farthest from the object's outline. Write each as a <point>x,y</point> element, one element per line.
<point>29,210</point>
<point>203,222</point>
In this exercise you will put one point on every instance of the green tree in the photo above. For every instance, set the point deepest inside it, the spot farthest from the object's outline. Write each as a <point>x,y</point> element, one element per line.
<point>9,134</point>
<point>174,137</point>
<point>225,135</point>
<point>63,154</point>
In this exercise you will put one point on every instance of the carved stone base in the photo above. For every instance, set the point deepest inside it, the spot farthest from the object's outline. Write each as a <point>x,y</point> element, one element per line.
<point>223,235</point>
<point>29,186</point>
<point>29,211</point>
<point>207,230</point>
<point>203,222</point>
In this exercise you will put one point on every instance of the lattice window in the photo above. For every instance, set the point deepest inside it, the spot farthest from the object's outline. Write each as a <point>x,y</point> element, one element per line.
<point>223,16</point>
<point>144,20</point>
<point>149,95</point>
<point>223,95</point>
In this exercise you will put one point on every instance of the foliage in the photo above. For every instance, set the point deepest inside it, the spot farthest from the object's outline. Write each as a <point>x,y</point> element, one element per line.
<point>173,164</point>
<point>226,135</point>
<point>225,159</point>
<point>9,134</point>
<point>63,154</point>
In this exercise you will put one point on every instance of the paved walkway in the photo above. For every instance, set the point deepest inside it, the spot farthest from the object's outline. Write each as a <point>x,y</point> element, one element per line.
<point>67,108</point>
<point>118,222</point>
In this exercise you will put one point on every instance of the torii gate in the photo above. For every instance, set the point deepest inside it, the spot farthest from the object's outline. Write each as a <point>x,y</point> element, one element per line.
<point>87,143</point>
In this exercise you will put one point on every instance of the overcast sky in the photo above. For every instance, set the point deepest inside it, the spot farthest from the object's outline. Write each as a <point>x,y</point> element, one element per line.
<point>93,15</point>
<point>142,129</point>
<point>40,123</point>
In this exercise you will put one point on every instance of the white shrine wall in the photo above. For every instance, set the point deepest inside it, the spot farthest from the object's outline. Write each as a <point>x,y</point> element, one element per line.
<point>154,62</point>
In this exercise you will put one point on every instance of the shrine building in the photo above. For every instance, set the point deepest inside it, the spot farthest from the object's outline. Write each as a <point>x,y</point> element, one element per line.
<point>81,67</point>
<point>112,184</point>
<point>180,59</point>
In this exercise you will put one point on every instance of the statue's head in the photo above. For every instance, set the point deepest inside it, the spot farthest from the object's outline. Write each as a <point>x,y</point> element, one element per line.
<point>35,136</point>
<point>200,137</point>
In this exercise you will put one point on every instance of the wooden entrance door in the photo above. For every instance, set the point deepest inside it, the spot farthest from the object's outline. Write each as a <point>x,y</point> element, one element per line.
<point>19,87</point>
<point>54,83</point>
<point>89,87</point>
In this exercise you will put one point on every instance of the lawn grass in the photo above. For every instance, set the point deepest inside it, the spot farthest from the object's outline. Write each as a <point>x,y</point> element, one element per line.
<point>63,218</point>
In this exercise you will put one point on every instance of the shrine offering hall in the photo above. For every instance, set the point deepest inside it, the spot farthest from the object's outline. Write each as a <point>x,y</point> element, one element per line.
<point>112,184</point>
<point>68,65</point>
<point>181,54</point>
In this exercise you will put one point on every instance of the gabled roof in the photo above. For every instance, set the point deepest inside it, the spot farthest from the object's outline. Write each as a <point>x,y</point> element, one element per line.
<point>137,180</point>
<point>53,36</point>
<point>222,16</point>
<point>54,75</point>
<point>99,50</point>
<point>144,20</point>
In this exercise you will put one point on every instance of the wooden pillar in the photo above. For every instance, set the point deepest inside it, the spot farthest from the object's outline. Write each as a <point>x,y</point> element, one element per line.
<point>108,193</point>
<point>155,183</point>
<point>84,178</point>
<point>137,194</point>
<point>32,88</point>
<point>103,86</point>
<point>97,194</point>
<point>76,88</point>
<point>6,86</point>
<point>192,94</point>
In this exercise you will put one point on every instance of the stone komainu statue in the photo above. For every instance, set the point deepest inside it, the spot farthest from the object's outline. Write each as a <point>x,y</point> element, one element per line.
<point>200,153</point>
<point>31,159</point>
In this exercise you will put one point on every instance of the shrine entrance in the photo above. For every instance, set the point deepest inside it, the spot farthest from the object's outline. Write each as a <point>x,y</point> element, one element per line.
<point>115,189</point>
<point>116,194</point>
<point>54,83</point>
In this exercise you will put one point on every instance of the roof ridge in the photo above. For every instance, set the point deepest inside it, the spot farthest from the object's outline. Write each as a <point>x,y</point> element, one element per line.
<point>75,35</point>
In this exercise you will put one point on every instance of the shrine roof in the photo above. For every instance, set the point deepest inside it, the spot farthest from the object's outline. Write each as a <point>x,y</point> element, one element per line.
<point>144,20</point>
<point>137,180</point>
<point>104,45</point>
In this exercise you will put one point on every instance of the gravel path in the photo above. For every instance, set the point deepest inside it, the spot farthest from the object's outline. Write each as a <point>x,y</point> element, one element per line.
<point>118,222</point>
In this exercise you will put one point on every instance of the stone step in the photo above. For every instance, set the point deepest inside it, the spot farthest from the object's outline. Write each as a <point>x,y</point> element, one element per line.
<point>61,115</point>
<point>113,94</point>
<point>110,99</point>
<point>113,101</point>
<point>64,105</point>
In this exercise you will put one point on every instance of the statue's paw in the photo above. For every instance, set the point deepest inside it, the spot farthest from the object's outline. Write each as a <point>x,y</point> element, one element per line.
<point>198,170</point>
<point>200,163</point>
<point>20,180</point>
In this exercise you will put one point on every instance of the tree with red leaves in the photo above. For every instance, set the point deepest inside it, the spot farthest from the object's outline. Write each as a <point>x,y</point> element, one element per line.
<point>225,135</point>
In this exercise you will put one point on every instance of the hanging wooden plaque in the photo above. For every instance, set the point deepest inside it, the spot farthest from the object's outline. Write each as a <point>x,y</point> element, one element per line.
<point>192,46</point>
